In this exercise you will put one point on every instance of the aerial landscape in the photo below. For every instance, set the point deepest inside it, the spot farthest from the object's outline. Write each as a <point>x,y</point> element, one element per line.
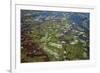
<point>54,36</point>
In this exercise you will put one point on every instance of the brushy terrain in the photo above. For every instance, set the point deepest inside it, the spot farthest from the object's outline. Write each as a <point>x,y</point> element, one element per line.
<point>54,36</point>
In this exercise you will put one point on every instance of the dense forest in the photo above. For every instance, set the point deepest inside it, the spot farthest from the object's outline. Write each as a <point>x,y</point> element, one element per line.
<point>54,36</point>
